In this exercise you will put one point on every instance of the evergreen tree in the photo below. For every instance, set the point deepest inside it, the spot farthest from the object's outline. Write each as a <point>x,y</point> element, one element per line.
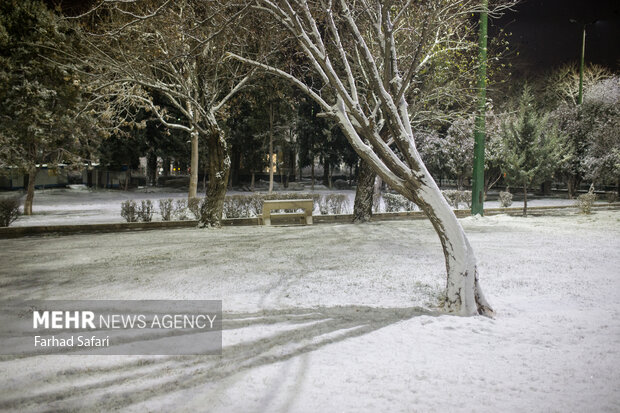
<point>40,100</point>
<point>530,147</point>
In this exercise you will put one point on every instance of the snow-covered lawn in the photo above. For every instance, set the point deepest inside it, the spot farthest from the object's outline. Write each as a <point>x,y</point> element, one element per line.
<point>332,318</point>
<point>66,206</point>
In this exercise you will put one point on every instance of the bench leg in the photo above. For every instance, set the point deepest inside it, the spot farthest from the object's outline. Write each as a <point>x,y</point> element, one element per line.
<point>308,219</point>
<point>266,220</point>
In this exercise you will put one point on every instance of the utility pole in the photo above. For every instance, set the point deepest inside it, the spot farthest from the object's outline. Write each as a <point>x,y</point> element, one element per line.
<point>477,196</point>
<point>583,53</point>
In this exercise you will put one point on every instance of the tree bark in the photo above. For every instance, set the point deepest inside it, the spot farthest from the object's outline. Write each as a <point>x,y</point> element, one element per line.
<point>362,207</point>
<point>524,200</point>
<point>32,175</point>
<point>271,148</point>
<point>166,166</point>
<point>151,168</point>
<point>572,186</point>
<point>193,167</point>
<point>326,174</point>
<point>463,293</point>
<point>219,168</point>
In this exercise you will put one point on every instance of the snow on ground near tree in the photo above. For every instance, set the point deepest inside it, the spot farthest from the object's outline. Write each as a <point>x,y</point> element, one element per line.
<point>66,206</point>
<point>338,318</point>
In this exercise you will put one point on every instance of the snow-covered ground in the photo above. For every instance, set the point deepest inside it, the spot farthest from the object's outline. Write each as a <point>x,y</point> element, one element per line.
<point>66,206</point>
<point>338,318</point>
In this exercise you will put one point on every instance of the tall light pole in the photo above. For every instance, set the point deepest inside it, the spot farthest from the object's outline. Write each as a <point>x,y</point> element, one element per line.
<point>583,53</point>
<point>584,24</point>
<point>477,195</point>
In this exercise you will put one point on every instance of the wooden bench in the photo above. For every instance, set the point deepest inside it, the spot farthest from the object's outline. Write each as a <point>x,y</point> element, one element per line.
<point>273,205</point>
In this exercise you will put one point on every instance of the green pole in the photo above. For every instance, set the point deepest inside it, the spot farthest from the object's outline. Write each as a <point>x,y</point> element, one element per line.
<point>477,196</point>
<point>583,52</point>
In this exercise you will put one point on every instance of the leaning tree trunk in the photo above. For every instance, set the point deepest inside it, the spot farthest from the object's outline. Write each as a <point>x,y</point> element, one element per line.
<point>32,175</point>
<point>219,168</point>
<point>463,293</point>
<point>362,207</point>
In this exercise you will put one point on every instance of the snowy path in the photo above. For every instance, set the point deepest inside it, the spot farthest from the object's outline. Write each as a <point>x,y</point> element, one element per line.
<point>338,318</point>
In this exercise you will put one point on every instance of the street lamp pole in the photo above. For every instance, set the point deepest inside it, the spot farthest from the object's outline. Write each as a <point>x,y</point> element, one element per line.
<point>477,196</point>
<point>581,64</point>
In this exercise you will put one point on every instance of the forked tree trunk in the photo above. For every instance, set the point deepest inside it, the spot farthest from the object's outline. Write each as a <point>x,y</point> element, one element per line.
<point>396,159</point>
<point>362,207</point>
<point>32,175</point>
<point>193,167</point>
<point>219,168</point>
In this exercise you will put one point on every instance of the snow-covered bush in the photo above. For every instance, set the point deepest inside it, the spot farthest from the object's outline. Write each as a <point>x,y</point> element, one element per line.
<point>165,209</point>
<point>255,205</point>
<point>129,211</point>
<point>323,207</point>
<point>585,201</point>
<point>611,196</point>
<point>195,206</point>
<point>180,210</point>
<point>397,202</point>
<point>145,212</point>
<point>236,206</point>
<point>9,210</point>
<point>505,199</point>
<point>456,198</point>
<point>337,203</point>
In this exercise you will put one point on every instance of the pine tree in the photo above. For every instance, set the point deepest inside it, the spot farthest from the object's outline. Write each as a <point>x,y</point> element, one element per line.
<point>40,100</point>
<point>530,147</point>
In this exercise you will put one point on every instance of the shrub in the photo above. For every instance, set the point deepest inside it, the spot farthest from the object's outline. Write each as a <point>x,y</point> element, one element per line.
<point>323,207</point>
<point>236,206</point>
<point>337,203</point>
<point>9,210</point>
<point>165,209</point>
<point>505,199</point>
<point>397,202</point>
<point>611,196</point>
<point>585,201</point>
<point>195,206</point>
<point>180,210</point>
<point>255,205</point>
<point>129,211</point>
<point>455,198</point>
<point>145,212</point>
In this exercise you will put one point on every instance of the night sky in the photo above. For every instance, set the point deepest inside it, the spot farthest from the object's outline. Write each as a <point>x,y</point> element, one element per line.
<point>541,32</point>
<point>544,36</point>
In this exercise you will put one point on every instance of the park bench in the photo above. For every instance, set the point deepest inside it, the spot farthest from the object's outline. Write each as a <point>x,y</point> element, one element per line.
<point>274,205</point>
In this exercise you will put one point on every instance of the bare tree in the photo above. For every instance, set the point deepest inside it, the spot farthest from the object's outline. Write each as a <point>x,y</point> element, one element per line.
<point>562,85</point>
<point>368,55</point>
<point>173,50</point>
